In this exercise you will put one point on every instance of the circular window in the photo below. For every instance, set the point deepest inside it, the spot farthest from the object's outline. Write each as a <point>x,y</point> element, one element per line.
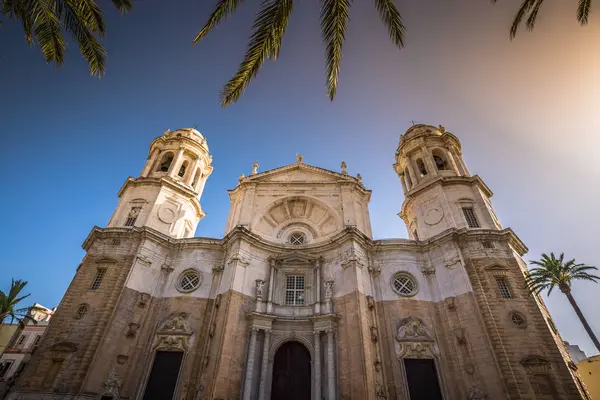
<point>404,284</point>
<point>189,281</point>
<point>518,319</point>
<point>297,238</point>
<point>81,311</point>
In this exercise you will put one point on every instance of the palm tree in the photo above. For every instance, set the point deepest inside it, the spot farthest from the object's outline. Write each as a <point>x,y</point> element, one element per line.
<point>269,27</point>
<point>44,21</point>
<point>551,272</point>
<point>532,7</point>
<point>8,304</point>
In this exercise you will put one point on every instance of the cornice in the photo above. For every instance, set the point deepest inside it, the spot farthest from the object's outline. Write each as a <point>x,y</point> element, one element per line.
<point>347,234</point>
<point>165,181</point>
<point>445,137</point>
<point>444,181</point>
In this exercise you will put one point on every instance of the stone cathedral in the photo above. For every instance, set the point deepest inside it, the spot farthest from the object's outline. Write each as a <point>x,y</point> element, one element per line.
<point>297,301</point>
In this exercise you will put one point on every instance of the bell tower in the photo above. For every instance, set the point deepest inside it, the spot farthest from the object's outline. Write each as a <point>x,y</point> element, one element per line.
<point>439,191</point>
<point>166,195</point>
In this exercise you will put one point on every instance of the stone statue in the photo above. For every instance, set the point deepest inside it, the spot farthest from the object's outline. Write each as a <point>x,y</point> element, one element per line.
<point>241,177</point>
<point>328,290</point>
<point>442,129</point>
<point>359,177</point>
<point>254,168</point>
<point>167,132</point>
<point>344,166</point>
<point>299,158</point>
<point>260,284</point>
<point>374,334</point>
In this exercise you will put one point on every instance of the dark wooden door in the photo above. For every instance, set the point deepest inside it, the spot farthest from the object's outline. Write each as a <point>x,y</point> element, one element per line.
<point>291,373</point>
<point>163,377</point>
<point>422,379</point>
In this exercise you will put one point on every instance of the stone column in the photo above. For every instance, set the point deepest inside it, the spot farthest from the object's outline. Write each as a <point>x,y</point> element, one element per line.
<point>271,288</point>
<point>330,366</point>
<point>250,365</point>
<point>452,162</point>
<point>176,164</point>
<point>192,172</point>
<point>318,286</point>
<point>428,159</point>
<point>317,365</point>
<point>265,366</point>
<point>411,172</point>
<point>151,160</point>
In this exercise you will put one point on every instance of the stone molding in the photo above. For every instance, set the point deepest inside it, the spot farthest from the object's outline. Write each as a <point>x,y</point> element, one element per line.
<point>174,333</point>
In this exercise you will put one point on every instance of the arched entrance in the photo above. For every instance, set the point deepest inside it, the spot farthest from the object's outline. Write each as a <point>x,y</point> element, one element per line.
<point>291,373</point>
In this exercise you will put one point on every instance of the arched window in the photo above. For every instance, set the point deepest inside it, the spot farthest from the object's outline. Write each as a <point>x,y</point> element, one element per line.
<point>182,169</point>
<point>196,177</point>
<point>165,162</point>
<point>407,178</point>
<point>421,167</point>
<point>440,161</point>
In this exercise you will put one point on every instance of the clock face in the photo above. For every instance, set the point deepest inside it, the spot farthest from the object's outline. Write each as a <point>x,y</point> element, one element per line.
<point>434,215</point>
<point>166,213</point>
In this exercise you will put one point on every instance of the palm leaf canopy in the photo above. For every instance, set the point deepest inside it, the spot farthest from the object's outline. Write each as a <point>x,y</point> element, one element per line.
<point>270,25</point>
<point>531,9</point>
<point>8,303</point>
<point>552,271</point>
<point>45,20</point>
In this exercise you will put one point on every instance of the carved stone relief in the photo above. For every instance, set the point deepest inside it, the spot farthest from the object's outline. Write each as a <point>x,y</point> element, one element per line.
<point>415,340</point>
<point>174,333</point>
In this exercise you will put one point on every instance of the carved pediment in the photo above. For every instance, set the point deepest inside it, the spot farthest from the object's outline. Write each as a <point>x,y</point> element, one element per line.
<point>413,329</point>
<point>64,347</point>
<point>295,257</point>
<point>298,172</point>
<point>415,340</point>
<point>174,333</point>
<point>536,364</point>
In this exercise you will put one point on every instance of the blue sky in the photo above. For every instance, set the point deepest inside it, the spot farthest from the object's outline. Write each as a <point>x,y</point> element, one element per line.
<point>525,111</point>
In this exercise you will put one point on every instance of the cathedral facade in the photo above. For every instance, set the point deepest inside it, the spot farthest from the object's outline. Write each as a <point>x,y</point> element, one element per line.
<point>297,301</point>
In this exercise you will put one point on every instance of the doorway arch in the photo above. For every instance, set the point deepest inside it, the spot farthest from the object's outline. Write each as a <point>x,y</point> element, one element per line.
<point>291,372</point>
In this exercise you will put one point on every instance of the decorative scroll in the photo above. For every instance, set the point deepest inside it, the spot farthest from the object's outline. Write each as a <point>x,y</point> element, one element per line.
<point>174,333</point>
<point>415,340</point>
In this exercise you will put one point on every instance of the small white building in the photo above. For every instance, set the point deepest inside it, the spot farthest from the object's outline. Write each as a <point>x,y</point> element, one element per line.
<point>24,343</point>
<point>575,352</point>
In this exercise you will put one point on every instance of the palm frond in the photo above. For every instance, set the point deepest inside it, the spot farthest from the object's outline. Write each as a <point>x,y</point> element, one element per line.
<point>269,28</point>
<point>334,18</point>
<point>123,6</point>
<point>224,9</point>
<point>86,13</point>
<point>533,15</point>
<point>583,11</point>
<point>76,19</point>
<point>393,21</point>
<point>47,31</point>
<point>525,7</point>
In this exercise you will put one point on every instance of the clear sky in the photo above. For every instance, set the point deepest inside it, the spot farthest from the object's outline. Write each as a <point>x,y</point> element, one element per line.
<point>526,112</point>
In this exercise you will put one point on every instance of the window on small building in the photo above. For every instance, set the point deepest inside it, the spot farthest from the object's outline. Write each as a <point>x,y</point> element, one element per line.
<point>421,167</point>
<point>21,340</point>
<point>37,340</point>
<point>470,217</point>
<point>182,169</point>
<point>98,278</point>
<point>132,216</point>
<point>5,366</point>
<point>294,290</point>
<point>165,162</point>
<point>504,287</point>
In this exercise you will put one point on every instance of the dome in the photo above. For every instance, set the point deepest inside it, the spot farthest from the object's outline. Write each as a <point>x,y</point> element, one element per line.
<point>421,129</point>
<point>186,132</point>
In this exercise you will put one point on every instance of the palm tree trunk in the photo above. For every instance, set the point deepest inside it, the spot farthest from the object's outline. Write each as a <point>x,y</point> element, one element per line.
<point>582,319</point>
